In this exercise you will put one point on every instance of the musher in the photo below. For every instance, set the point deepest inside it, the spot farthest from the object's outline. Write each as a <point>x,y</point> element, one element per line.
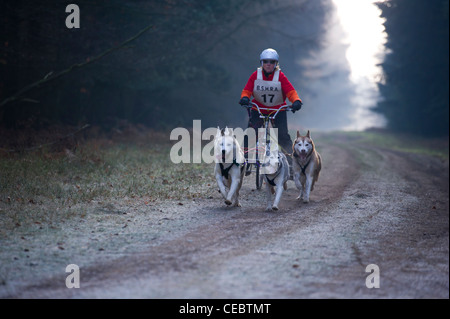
<point>270,88</point>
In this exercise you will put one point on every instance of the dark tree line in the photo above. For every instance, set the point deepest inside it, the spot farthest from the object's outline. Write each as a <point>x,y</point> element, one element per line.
<point>132,84</point>
<point>416,88</point>
<point>184,67</point>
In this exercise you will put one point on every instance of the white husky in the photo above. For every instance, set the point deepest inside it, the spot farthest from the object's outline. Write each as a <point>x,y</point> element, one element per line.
<point>229,168</point>
<point>275,169</point>
<point>307,164</point>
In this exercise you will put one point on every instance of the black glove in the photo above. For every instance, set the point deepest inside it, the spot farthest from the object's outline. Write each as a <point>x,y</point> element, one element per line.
<point>245,101</point>
<point>296,106</point>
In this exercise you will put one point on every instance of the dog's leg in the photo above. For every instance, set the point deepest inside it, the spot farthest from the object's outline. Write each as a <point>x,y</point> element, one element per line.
<point>269,190</point>
<point>232,192</point>
<point>307,191</point>
<point>279,191</point>
<point>236,197</point>
<point>298,184</point>
<point>236,200</point>
<point>222,188</point>
<point>315,179</point>
<point>241,179</point>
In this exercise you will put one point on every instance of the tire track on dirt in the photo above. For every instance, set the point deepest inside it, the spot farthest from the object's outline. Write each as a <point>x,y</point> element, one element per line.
<point>230,233</point>
<point>371,205</point>
<point>406,229</point>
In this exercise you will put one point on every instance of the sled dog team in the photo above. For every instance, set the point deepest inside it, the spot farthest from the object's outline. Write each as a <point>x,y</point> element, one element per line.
<point>230,168</point>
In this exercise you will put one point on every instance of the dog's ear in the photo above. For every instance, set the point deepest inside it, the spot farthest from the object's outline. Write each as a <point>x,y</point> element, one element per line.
<point>308,135</point>
<point>219,132</point>
<point>298,134</point>
<point>227,131</point>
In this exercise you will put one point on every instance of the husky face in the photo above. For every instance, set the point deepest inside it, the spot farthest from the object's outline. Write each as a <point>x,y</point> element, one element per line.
<point>271,163</point>
<point>303,146</point>
<point>224,146</point>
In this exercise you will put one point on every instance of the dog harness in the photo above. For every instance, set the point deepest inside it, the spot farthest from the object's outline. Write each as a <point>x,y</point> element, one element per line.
<point>303,168</point>
<point>224,171</point>
<point>271,182</point>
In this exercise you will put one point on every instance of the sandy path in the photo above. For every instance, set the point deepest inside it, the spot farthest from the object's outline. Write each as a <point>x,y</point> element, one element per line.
<point>370,206</point>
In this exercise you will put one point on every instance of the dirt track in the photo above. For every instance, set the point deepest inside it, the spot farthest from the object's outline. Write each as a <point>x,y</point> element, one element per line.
<point>370,206</point>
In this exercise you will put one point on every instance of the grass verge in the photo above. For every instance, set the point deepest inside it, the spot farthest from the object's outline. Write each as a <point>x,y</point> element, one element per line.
<point>438,147</point>
<point>44,187</point>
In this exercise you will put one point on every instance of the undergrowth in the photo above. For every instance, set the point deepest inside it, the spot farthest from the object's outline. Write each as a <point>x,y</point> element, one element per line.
<point>44,186</point>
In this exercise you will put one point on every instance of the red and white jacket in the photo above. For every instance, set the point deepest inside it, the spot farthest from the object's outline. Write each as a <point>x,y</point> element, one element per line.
<point>269,91</point>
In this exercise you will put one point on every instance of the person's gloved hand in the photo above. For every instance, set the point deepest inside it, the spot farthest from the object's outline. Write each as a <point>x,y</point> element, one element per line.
<point>245,101</point>
<point>296,106</point>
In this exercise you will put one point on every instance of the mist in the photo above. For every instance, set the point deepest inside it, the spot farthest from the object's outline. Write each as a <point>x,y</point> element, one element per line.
<point>336,98</point>
<point>313,46</point>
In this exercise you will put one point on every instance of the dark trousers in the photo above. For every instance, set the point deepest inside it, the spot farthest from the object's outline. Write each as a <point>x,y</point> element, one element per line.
<point>280,122</point>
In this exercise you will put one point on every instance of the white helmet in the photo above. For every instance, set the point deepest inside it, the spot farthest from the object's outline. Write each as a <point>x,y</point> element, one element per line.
<point>269,54</point>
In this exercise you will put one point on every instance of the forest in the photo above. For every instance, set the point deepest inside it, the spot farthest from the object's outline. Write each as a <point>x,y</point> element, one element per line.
<point>190,63</point>
<point>164,63</point>
<point>416,83</point>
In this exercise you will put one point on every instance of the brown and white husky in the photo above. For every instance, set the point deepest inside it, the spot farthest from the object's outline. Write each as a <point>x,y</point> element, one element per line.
<point>306,164</point>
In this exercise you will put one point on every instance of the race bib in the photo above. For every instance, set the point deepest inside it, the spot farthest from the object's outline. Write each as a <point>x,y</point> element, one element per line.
<point>268,93</point>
